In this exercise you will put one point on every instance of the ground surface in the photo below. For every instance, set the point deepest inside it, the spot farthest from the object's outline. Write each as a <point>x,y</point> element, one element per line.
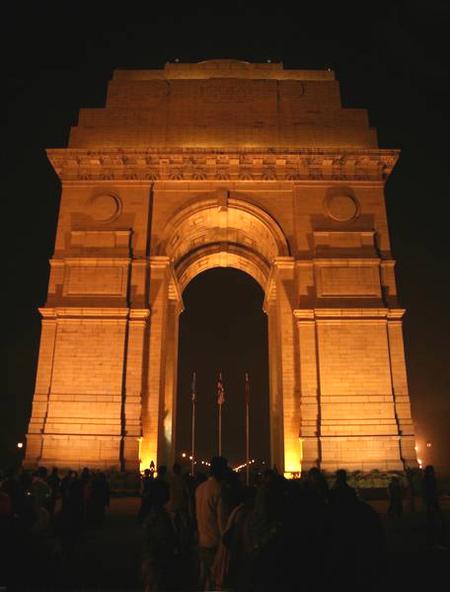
<point>109,557</point>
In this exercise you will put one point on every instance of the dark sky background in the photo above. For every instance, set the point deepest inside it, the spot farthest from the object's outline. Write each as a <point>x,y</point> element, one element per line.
<point>391,58</point>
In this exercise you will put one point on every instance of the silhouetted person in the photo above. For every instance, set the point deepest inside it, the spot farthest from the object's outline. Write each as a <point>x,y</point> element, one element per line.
<point>317,484</point>
<point>211,518</point>
<point>98,500</point>
<point>71,519</point>
<point>354,549</point>
<point>66,482</point>
<point>54,483</point>
<point>159,565</point>
<point>178,505</point>
<point>411,489</point>
<point>430,495</point>
<point>15,488</point>
<point>265,535</point>
<point>86,485</point>
<point>430,492</point>
<point>341,493</point>
<point>161,487</point>
<point>147,483</point>
<point>40,490</point>
<point>232,567</point>
<point>395,498</point>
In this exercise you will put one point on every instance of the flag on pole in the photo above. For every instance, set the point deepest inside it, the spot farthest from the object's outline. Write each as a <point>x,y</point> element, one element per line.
<point>194,394</point>
<point>220,391</point>
<point>247,389</point>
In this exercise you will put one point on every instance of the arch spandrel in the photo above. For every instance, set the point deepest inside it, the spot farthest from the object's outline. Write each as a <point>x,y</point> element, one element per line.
<point>223,232</point>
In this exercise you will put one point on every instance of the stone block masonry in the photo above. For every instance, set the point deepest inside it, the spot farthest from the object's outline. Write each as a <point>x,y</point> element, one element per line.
<point>222,164</point>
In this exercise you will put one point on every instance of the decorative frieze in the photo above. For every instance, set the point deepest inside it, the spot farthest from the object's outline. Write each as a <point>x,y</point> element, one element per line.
<point>178,164</point>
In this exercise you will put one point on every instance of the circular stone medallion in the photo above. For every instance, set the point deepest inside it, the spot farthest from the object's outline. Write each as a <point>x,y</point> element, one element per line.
<point>342,207</point>
<point>104,207</point>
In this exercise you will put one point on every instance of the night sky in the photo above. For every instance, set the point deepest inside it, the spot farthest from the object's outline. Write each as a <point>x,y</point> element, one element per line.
<point>391,58</point>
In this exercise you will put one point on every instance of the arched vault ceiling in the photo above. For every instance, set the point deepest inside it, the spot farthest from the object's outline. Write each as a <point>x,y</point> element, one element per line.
<point>215,256</point>
<point>233,224</point>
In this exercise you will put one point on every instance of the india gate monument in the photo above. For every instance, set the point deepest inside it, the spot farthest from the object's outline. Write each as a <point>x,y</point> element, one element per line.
<point>222,163</point>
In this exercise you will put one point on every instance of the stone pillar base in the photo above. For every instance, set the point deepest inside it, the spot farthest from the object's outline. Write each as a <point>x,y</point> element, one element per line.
<point>364,453</point>
<point>73,452</point>
<point>310,452</point>
<point>131,459</point>
<point>408,451</point>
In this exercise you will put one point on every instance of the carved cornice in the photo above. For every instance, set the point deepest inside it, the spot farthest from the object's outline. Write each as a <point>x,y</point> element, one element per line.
<point>92,312</point>
<point>302,314</point>
<point>197,164</point>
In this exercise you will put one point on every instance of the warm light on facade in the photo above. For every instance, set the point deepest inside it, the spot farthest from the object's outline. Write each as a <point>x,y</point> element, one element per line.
<point>335,345</point>
<point>293,459</point>
<point>300,440</point>
<point>141,467</point>
<point>146,456</point>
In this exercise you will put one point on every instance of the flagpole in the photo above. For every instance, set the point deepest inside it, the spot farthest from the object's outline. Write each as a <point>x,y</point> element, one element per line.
<point>220,402</point>
<point>247,428</point>
<point>193,424</point>
<point>220,430</point>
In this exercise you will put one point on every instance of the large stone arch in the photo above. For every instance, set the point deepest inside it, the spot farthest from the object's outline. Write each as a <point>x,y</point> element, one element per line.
<point>146,205</point>
<point>223,231</point>
<point>220,231</point>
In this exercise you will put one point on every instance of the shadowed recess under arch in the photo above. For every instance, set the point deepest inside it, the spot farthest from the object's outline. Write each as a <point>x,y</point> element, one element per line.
<point>223,329</point>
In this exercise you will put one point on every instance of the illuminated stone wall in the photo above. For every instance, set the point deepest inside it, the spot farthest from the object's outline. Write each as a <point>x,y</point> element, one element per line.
<point>222,164</point>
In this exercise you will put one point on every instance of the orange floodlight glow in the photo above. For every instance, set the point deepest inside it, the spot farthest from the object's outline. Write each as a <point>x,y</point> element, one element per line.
<point>293,459</point>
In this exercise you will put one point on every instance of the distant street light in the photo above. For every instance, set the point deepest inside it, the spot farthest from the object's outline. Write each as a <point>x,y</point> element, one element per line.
<point>19,444</point>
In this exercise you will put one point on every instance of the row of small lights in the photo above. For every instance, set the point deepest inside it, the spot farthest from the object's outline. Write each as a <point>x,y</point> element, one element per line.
<point>208,464</point>
<point>203,462</point>
<point>240,467</point>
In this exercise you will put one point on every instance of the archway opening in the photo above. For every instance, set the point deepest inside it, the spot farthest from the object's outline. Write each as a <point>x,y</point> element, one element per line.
<point>223,329</point>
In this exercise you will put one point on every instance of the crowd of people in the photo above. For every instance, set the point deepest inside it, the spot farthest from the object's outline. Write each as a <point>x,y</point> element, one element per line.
<point>42,518</point>
<point>218,534</point>
<point>222,535</point>
<point>211,532</point>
